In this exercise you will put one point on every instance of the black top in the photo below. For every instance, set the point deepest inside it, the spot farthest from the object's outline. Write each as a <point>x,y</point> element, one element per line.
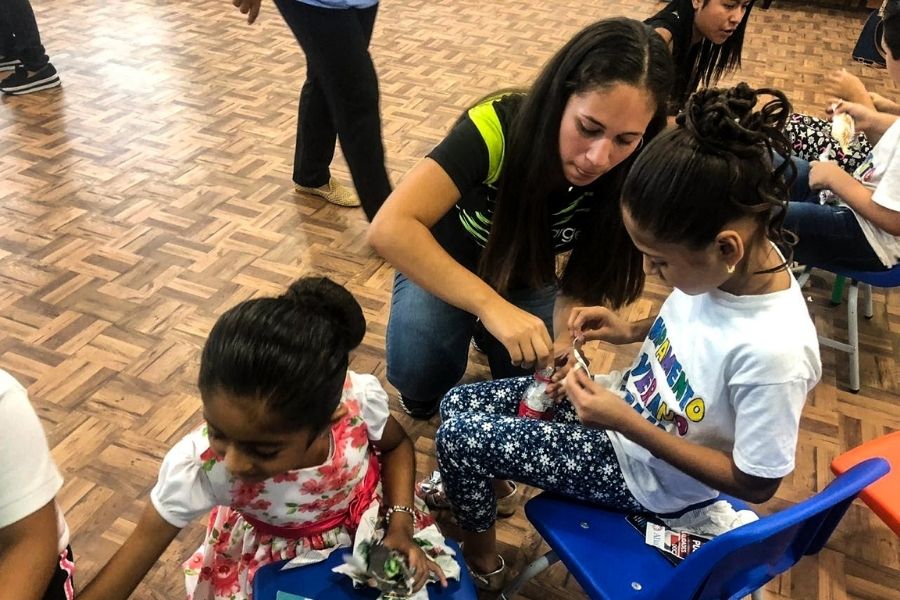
<point>678,19</point>
<point>472,154</point>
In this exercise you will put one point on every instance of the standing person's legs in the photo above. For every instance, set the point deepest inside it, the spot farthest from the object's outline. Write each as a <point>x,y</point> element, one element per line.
<point>335,42</point>
<point>35,73</point>
<point>8,58</point>
<point>18,25</point>
<point>480,440</point>
<point>427,346</point>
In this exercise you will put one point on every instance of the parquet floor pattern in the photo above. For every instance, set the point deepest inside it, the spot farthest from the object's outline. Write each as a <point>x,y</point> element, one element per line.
<point>152,191</point>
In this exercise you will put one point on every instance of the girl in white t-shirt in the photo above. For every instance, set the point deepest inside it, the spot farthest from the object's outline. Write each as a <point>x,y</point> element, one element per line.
<point>287,463</point>
<point>713,400</point>
<point>36,561</point>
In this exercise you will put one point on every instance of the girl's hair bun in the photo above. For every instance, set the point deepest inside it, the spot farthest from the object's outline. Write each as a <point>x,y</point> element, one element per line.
<point>326,299</point>
<point>723,120</point>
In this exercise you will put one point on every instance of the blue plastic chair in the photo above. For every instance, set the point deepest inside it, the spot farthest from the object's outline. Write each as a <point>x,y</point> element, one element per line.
<point>320,583</point>
<point>882,279</point>
<point>609,559</point>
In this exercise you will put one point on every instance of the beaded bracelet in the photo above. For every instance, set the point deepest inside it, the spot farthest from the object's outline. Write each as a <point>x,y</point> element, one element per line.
<point>399,508</point>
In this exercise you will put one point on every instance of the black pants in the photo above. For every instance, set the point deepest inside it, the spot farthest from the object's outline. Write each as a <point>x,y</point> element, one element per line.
<point>19,36</point>
<point>339,99</point>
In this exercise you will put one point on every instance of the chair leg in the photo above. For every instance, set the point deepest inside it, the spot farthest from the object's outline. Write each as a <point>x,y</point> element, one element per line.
<point>802,276</point>
<point>536,566</point>
<point>853,330</point>
<point>837,290</point>
<point>867,298</point>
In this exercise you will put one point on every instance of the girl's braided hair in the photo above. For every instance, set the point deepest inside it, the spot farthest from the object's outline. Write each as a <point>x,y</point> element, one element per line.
<point>715,167</point>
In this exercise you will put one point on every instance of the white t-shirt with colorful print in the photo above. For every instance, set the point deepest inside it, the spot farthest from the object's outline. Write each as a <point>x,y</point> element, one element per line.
<point>726,372</point>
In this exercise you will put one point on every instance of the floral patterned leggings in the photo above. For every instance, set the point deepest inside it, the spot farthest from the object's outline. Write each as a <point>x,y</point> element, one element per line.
<point>811,137</point>
<point>481,439</point>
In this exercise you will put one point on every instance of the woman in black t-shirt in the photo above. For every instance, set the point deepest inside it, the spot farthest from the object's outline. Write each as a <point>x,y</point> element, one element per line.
<point>706,38</point>
<point>474,229</point>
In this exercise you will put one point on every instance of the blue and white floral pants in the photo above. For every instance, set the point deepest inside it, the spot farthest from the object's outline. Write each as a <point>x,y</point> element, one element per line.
<point>482,439</point>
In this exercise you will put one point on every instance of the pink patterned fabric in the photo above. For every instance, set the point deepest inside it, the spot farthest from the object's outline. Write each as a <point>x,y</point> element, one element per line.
<point>332,494</point>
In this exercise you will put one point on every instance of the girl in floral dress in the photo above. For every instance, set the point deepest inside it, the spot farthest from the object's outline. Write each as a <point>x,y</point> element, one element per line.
<point>296,452</point>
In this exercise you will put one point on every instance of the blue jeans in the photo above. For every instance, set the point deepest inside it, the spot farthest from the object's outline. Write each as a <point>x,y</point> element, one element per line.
<point>428,340</point>
<point>827,235</point>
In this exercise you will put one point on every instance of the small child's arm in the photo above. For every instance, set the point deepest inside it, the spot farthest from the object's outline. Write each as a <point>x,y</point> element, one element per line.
<point>827,175</point>
<point>28,553</point>
<point>128,566</point>
<point>398,464</point>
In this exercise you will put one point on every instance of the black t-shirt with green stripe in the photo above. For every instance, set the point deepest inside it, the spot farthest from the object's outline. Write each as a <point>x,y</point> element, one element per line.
<point>473,156</point>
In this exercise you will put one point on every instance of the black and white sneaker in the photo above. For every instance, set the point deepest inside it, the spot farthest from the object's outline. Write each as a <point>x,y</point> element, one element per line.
<point>8,64</point>
<point>24,81</point>
<point>421,411</point>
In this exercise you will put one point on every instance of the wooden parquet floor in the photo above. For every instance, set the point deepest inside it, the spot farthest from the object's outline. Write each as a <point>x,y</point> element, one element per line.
<point>152,191</point>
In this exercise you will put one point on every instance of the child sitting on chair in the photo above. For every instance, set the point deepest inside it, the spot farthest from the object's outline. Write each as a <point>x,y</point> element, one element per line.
<point>712,402</point>
<point>859,228</point>
<point>295,453</point>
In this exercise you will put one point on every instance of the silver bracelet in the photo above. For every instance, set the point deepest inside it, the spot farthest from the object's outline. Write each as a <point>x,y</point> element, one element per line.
<point>399,508</point>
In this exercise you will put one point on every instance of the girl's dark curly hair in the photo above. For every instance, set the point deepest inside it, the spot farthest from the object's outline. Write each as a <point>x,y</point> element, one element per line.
<point>714,168</point>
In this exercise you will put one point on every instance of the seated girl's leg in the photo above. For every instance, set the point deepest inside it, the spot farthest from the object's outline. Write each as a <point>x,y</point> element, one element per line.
<point>537,302</point>
<point>476,446</point>
<point>830,235</point>
<point>497,397</point>
<point>427,344</point>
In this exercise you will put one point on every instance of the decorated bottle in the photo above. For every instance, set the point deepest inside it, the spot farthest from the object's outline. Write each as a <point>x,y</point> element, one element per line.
<point>535,403</point>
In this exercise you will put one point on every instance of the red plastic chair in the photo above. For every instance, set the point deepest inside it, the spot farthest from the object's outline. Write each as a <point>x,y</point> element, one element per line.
<point>883,496</point>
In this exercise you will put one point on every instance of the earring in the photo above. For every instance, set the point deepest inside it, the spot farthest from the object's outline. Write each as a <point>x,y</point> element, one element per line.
<point>730,269</point>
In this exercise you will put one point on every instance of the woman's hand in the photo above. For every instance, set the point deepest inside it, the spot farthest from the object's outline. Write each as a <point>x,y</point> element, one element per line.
<point>565,363</point>
<point>523,335</point>
<point>421,566</point>
<point>848,86</point>
<point>595,405</point>
<point>587,323</point>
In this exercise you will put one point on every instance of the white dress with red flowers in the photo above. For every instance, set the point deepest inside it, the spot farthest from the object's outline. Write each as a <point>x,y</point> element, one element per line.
<point>301,515</point>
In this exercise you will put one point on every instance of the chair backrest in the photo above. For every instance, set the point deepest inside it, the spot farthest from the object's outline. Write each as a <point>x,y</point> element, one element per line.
<point>736,563</point>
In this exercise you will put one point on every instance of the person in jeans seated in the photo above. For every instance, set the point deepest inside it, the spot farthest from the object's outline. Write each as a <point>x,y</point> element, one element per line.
<point>855,223</point>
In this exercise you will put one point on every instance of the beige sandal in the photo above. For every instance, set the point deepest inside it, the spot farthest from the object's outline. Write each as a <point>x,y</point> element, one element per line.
<point>508,504</point>
<point>490,582</point>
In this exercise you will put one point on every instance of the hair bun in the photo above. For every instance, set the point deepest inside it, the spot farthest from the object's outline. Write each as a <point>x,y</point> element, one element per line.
<point>723,120</point>
<point>333,303</point>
